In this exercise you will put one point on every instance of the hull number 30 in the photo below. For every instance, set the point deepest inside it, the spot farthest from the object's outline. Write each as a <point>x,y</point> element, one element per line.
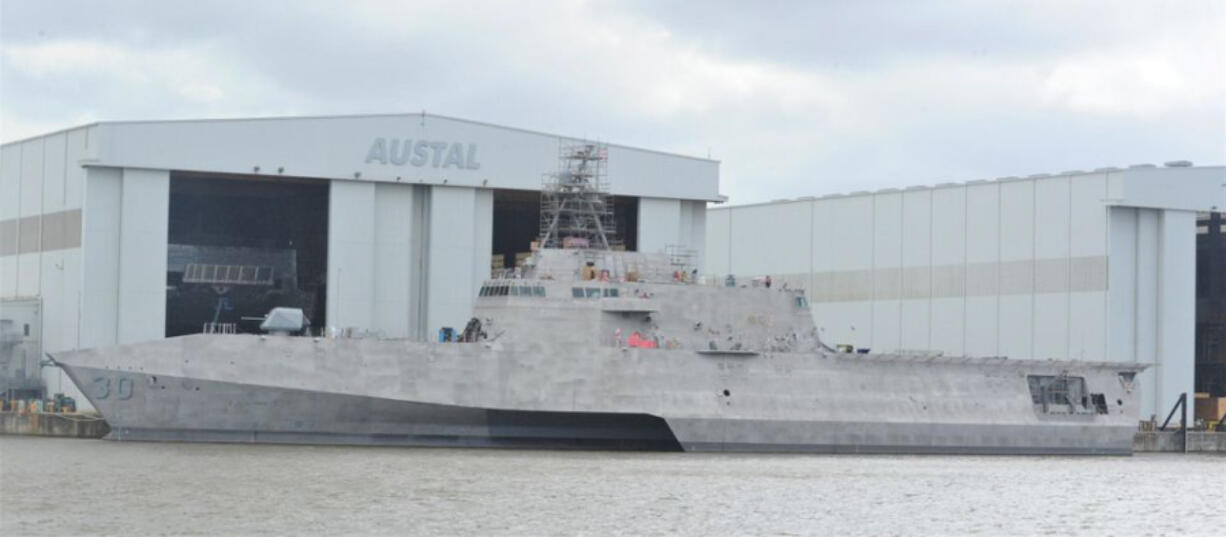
<point>122,390</point>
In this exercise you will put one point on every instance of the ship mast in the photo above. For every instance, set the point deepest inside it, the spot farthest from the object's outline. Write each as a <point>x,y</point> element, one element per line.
<point>576,206</point>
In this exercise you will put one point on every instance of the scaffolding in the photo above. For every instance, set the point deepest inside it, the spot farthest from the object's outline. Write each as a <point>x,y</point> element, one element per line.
<point>576,206</point>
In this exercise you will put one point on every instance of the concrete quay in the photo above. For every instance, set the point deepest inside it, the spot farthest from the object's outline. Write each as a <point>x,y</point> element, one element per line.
<point>1173,441</point>
<point>53,424</point>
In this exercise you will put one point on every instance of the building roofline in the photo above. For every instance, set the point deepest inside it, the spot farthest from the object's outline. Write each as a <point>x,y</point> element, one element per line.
<point>959,184</point>
<point>51,133</point>
<point>352,116</point>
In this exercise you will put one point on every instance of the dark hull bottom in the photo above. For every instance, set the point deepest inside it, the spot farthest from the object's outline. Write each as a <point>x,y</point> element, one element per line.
<point>641,433</point>
<point>394,440</point>
<point>143,407</point>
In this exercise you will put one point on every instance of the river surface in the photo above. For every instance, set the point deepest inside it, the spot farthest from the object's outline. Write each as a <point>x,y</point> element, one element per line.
<point>51,486</point>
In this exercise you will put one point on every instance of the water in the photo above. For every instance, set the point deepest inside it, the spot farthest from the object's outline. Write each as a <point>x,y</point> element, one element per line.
<point>54,486</point>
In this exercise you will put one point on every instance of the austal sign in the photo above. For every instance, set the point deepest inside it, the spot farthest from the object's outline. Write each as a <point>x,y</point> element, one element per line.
<point>422,153</point>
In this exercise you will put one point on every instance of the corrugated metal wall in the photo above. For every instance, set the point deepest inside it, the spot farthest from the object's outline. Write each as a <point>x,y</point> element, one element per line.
<point>1017,267</point>
<point>41,195</point>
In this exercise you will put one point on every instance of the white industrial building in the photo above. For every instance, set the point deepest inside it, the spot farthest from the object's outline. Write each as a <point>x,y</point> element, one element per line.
<point>391,219</point>
<point>1097,266</point>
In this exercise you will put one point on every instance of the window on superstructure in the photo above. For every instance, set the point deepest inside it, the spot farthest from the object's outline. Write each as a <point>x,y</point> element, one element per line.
<point>610,293</point>
<point>525,290</point>
<point>538,290</point>
<point>1058,393</point>
<point>593,292</point>
<point>576,292</point>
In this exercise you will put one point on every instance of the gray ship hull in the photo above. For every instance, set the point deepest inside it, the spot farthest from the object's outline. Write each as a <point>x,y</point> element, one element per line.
<point>383,392</point>
<point>210,411</point>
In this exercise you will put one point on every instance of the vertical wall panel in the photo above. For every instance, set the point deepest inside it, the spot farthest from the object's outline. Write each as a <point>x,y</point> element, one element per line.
<point>1016,284</point>
<point>772,240</point>
<point>100,257</point>
<point>29,229</point>
<point>982,269</point>
<point>1052,266</point>
<point>10,209</point>
<point>143,232</point>
<point>850,315</point>
<point>822,262</point>
<point>1176,308</point>
<point>887,280</point>
<point>718,247</point>
<point>482,241</point>
<point>1122,293</point>
<point>54,173</point>
<point>915,325</point>
<point>351,256</point>
<point>10,181</point>
<point>697,238</point>
<point>1088,245</point>
<point>1149,248</point>
<point>949,270</point>
<point>453,253</point>
<point>392,259</point>
<point>32,177</point>
<point>659,224</point>
<point>74,182</point>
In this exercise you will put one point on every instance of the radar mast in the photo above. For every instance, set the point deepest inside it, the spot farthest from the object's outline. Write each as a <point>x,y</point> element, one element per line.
<point>576,206</point>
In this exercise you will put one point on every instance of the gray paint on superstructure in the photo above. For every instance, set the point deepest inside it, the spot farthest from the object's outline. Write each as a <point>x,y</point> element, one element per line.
<point>555,355</point>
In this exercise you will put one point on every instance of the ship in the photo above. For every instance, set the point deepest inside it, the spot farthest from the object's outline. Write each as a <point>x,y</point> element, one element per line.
<point>603,349</point>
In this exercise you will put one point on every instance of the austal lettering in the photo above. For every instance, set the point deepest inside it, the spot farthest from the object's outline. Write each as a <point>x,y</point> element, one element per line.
<point>419,153</point>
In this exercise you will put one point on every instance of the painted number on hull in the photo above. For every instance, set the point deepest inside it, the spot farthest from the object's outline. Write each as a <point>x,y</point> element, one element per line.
<point>123,388</point>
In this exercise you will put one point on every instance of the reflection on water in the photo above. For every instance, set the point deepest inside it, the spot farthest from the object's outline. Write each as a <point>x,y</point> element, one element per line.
<point>72,487</point>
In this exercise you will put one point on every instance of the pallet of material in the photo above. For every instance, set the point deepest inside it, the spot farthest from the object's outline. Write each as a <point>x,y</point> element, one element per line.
<point>1210,408</point>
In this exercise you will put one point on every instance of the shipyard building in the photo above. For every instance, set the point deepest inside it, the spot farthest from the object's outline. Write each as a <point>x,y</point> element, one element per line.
<point>1115,264</point>
<point>119,232</point>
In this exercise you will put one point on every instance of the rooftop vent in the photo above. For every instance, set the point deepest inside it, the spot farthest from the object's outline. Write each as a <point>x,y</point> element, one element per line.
<point>1178,164</point>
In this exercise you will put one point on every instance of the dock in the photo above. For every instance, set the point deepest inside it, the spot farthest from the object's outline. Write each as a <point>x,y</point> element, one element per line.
<point>61,424</point>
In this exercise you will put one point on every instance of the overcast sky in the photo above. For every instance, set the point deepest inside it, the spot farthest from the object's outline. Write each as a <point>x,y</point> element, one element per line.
<point>795,98</point>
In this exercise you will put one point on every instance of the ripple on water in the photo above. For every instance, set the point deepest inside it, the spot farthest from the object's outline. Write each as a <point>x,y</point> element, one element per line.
<point>109,488</point>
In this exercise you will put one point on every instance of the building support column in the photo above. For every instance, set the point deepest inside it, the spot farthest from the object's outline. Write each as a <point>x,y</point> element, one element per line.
<point>1176,337</point>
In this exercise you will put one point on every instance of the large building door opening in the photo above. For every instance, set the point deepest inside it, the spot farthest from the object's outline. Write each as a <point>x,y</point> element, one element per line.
<point>517,219</point>
<point>626,214</point>
<point>242,245</point>
<point>1211,304</point>
<point>517,222</point>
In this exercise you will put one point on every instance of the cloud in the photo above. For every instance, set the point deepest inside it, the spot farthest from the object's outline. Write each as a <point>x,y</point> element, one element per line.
<point>793,98</point>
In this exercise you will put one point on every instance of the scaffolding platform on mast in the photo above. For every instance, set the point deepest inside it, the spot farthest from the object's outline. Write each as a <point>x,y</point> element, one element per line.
<point>576,205</point>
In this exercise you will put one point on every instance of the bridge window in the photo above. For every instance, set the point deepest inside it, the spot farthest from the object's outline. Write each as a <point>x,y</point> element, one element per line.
<point>1060,394</point>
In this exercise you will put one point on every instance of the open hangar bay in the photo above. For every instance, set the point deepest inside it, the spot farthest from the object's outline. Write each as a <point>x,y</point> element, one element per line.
<point>119,232</point>
<point>1109,265</point>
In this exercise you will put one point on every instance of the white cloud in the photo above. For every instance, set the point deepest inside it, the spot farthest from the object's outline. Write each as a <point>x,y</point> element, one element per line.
<point>939,97</point>
<point>1144,87</point>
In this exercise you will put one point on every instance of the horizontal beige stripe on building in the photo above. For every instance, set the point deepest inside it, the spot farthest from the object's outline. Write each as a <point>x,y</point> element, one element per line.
<point>40,233</point>
<point>1060,275</point>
